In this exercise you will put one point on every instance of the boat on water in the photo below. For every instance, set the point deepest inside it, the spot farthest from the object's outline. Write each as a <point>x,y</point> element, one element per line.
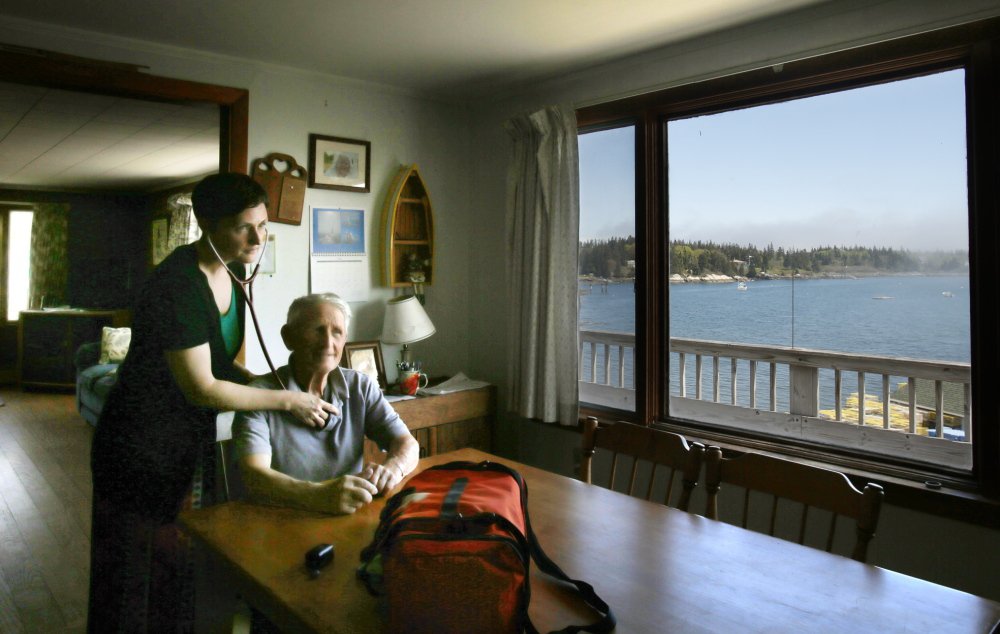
<point>741,286</point>
<point>883,297</point>
<point>947,293</point>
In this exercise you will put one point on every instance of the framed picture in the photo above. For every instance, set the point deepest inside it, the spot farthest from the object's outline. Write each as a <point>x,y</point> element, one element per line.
<point>159,240</point>
<point>336,163</point>
<point>338,231</point>
<point>366,357</point>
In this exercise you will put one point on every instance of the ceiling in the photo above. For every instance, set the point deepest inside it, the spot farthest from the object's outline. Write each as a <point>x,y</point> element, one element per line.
<point>62,140</point>
<point>451,49</point>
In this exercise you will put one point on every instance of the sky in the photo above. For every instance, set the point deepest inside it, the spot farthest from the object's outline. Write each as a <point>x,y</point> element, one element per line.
<point>878,166</point>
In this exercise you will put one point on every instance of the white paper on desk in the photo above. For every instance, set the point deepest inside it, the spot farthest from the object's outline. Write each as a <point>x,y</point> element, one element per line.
<point>397,397</point>
<point>456,383</point>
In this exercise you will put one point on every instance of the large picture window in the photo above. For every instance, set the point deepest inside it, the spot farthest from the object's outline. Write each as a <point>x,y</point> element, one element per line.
<point>819,269</point>
<point>814,258</point>
<point>607,268</point>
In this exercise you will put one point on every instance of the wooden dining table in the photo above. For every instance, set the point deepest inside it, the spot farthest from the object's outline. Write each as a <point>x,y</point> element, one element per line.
<point>660,569</point>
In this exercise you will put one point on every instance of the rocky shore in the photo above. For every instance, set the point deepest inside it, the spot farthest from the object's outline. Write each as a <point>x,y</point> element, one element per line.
<point>710,278</point>
<point>717,278</point>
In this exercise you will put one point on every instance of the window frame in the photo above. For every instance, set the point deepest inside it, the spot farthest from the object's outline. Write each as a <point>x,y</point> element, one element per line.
<point>4,247</point>
<point>974,47</point>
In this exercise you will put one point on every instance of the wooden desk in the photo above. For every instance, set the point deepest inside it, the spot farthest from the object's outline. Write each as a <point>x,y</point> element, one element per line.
<point>661,569</point>
<point>447,422</point>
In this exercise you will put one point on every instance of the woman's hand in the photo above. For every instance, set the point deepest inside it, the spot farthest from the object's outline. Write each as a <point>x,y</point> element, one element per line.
<point>311,411</point>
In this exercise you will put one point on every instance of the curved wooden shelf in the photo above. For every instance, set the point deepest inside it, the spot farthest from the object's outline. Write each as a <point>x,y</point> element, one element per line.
<point>407,229</point>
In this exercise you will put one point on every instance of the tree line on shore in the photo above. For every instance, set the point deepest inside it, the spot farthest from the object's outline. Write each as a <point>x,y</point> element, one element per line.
<point>615,257</point>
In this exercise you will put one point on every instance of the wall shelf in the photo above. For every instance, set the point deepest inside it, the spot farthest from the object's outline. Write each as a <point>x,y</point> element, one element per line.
<point>407,237</point>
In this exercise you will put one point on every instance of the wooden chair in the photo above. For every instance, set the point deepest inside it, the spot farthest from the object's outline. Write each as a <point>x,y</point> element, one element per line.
<point>812,487</point>
<point>644,443</point>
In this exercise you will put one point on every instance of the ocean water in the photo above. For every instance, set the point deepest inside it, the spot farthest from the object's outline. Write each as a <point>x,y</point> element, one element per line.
<point>900,316</point>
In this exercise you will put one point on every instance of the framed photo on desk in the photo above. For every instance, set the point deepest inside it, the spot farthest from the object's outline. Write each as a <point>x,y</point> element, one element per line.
<point>365,357</point>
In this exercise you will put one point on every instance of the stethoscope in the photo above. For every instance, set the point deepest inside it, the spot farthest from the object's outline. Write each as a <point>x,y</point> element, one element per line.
<point>244,285</point>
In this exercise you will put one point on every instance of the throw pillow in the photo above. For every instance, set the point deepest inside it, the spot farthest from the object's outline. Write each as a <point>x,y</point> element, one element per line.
<point>114,344</point>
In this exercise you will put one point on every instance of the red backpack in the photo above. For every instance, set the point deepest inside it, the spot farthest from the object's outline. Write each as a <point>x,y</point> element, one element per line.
<point>452,553</point>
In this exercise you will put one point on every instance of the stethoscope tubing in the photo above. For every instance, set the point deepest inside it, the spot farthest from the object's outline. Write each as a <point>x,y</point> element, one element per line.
<point>243,285</point>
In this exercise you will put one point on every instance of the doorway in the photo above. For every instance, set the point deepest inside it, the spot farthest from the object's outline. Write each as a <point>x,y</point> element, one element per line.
<point>95,77</point>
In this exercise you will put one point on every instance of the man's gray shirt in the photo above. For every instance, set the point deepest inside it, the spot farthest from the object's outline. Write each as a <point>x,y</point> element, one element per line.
<point>309,454</point>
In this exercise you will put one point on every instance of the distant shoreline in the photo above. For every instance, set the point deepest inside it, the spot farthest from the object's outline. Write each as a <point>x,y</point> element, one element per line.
<point>718,278</point>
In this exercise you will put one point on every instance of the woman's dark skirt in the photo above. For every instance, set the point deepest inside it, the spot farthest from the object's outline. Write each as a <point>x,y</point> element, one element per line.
<point>141,567</point>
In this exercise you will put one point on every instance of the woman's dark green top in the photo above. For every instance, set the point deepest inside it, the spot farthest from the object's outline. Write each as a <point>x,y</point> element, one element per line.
<point>149,437</point>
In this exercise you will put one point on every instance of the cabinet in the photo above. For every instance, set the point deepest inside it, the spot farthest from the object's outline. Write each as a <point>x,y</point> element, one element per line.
<point>47,341</point>
<point>407,239</point>
<point>444,422</point>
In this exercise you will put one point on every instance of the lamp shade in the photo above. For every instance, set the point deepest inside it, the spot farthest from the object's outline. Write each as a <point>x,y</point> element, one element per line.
<point>405,321</point>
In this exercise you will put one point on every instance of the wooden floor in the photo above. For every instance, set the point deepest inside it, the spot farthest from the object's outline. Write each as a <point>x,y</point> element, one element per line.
<point>44,513</point>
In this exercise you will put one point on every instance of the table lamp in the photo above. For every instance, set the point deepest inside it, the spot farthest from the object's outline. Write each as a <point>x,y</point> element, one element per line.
<point>405,322</point>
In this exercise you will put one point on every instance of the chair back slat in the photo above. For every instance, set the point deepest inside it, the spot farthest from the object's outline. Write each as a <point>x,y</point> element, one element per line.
<point>746,508</point>
<point>614,468</point>
<point>660,448</point>
<point>670,487</point>
<point>802,523</point>
<point>807,485</point>
<point>830,533</point>
<point>631,479</point>
<point>652,481</point>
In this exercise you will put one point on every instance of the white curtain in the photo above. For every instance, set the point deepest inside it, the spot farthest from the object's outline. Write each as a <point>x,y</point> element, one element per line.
<point>183,226</point>
<point>543,220</point>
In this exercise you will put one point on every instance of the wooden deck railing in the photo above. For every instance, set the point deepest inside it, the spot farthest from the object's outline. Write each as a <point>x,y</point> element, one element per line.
<point>606,362</point>
<point>798,376</point>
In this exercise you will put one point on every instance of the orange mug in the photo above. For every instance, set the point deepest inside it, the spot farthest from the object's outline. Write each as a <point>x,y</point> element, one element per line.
<point>411,380</point>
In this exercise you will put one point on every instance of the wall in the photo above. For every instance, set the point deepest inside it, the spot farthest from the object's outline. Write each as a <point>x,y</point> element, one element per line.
<point>108,250</point>
<point>286,105</point>
<point>401,130</point>
<point>932,547</point>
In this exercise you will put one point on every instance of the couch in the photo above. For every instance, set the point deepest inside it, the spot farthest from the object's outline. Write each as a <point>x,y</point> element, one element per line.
<point>93,381</point>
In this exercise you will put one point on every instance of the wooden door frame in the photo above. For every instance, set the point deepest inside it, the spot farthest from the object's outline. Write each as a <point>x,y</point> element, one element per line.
<point>55,70</point>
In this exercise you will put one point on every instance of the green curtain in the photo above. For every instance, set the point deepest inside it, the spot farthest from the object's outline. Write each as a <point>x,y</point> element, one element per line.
<point>49,267</point>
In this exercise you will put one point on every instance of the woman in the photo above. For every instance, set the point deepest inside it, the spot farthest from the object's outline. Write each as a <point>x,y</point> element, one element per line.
<point>158,425</point>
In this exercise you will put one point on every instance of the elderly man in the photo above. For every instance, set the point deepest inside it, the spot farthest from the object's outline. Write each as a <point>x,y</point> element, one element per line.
<point>287,464</point>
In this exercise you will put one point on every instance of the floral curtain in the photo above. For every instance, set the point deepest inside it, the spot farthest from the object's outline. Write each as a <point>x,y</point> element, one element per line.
<point>49,264</point>
<point>543,220</point>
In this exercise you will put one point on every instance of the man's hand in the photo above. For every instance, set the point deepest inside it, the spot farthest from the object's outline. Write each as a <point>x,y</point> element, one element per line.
<point>384,477</point>
<point>347,494</point>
